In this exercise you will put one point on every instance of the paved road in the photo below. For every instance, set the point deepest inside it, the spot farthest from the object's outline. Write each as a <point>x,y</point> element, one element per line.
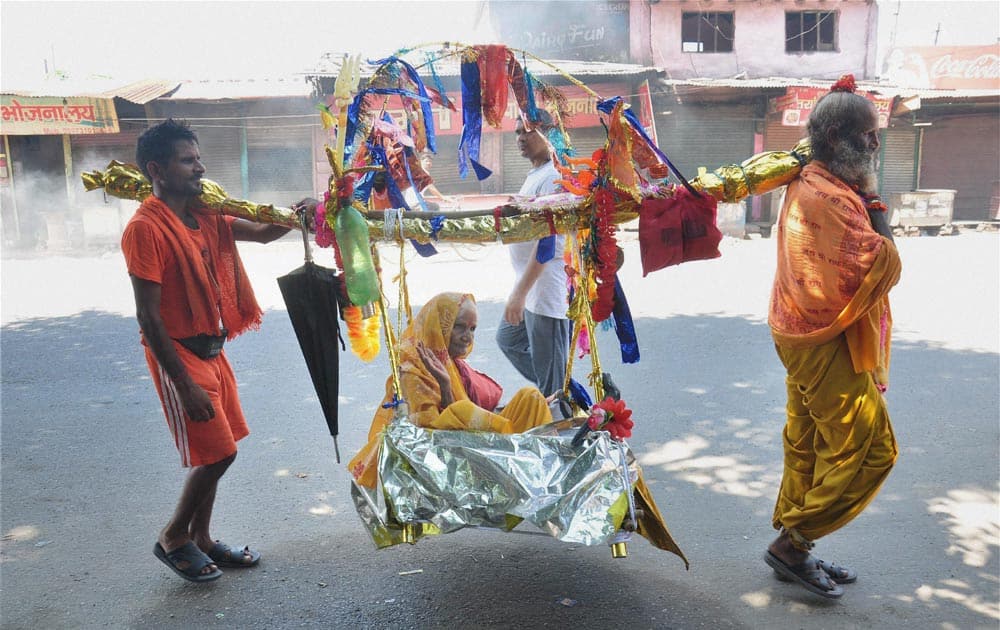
<point>88,474</point>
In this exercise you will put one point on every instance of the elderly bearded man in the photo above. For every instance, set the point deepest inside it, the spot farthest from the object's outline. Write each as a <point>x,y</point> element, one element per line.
<point>830,320</point>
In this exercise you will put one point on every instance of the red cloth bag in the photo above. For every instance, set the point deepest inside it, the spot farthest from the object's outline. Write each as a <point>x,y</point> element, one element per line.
<point>677,229</point>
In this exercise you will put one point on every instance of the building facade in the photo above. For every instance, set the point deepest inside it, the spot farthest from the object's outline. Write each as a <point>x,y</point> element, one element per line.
<point>817,39</point>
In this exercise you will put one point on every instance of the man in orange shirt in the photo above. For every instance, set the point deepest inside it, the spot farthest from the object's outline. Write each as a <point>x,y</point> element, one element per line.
<point>191,295</point>
<point>830,319</point>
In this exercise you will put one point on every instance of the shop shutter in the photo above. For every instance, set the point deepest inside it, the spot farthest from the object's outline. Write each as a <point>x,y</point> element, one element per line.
<point>279,161</point>
<point>961,154</point>
<point>220,148</point>
<point>778,137</point>
<point>897,159</point>
<point>444,170</point>
<point>706,135</point>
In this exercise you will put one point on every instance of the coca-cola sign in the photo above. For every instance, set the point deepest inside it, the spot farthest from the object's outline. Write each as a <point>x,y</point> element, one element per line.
<point>944,67</point>
<point>982,67</point>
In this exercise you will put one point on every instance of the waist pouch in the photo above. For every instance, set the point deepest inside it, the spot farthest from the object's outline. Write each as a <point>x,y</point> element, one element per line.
<point>204,346</point>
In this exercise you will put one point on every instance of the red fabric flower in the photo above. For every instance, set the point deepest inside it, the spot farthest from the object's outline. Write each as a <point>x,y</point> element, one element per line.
<point>612,416</point>
<point>845,83</point>
<point>345,188</point>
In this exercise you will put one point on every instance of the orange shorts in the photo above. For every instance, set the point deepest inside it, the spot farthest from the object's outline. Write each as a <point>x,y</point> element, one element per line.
<point>202,443</point>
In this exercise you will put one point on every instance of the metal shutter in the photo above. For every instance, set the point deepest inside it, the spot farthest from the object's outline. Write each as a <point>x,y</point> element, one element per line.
<point>444,170</point>
<point>706,135</point>
<point>279,161</point>
<point>220,152</point>
<point>962,154</point>
<point>897,172</point>
<point>778,137</point>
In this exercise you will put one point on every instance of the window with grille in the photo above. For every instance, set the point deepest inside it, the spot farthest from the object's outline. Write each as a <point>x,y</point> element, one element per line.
<point>810,31</point>
<point>707,32</point>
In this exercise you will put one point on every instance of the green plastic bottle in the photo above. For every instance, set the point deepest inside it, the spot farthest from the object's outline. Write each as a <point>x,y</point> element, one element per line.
<point>359,270</point>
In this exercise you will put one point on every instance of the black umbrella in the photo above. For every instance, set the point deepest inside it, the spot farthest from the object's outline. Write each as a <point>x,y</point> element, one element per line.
<point>311,296</point>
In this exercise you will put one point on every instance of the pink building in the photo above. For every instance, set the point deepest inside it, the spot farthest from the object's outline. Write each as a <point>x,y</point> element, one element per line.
<point>821,39</point>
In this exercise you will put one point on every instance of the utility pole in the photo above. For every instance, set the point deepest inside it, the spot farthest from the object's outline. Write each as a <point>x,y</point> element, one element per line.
<point>936,33</point>
<point>895,26</point>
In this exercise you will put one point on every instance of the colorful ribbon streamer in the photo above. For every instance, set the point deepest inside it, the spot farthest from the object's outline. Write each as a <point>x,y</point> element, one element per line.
<point>472,123</point>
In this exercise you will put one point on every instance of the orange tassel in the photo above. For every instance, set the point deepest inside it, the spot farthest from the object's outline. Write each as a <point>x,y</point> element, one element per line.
<point>362,333</point>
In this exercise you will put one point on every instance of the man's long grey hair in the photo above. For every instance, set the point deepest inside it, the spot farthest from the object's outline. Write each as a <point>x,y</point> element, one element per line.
<point>843,115</point>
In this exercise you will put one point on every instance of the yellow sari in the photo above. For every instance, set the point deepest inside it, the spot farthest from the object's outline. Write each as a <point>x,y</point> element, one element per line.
<point>432,327</point>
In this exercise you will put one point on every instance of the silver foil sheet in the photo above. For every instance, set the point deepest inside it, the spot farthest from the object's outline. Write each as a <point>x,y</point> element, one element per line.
<point>434,482</point>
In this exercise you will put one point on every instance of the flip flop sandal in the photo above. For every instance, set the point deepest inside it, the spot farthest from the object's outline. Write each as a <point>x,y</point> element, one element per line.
<point>233,557</point>
<point>807,574</point>
<point>196,560</point>
<point>837,573</point>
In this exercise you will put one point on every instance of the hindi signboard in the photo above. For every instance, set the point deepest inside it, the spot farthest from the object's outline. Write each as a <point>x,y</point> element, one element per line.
<point>798,102</point>
<point>56,115</point>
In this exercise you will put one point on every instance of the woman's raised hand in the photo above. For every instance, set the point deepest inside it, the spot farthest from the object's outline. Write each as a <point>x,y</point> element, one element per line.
<point>435,366</point>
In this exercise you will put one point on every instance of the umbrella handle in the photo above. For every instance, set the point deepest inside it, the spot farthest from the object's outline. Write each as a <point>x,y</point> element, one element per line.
<point>305,234</point>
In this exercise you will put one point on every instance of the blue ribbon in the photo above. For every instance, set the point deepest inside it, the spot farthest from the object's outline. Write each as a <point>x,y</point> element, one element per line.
<point>437,222</point>
<point>392,404</point>
<point>425,101</point>
<point>424,249</point>
<point>363,187</point>
<point>580,395</point>
<point>354,111</point>
<point>532,106</point>
<point>624,327</point>
<point>472,123</point>
<point>546,249</point>
<point>379,158</point>
<point>558,142</point>
<point>437,81</point>
<point>608,105</point>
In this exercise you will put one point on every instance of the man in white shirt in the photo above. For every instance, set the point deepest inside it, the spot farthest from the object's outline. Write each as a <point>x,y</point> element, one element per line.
<point>534,332</point>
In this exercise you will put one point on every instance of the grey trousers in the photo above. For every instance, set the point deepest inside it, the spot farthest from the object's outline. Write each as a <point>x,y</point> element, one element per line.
<point>538,348</point>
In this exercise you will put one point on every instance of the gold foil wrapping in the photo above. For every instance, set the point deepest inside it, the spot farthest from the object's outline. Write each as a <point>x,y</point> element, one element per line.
<point>760,174</point>
<point>126,181</point>
<point>523,219</point>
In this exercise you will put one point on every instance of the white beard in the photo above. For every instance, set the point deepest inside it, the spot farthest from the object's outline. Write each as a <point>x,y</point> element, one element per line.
<point>856,167</point>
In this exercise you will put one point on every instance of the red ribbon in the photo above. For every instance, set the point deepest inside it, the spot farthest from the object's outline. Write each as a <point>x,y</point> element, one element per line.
<point>551,221</point>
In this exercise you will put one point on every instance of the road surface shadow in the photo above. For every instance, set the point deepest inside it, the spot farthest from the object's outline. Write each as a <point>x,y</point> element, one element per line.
<point>89,474</point>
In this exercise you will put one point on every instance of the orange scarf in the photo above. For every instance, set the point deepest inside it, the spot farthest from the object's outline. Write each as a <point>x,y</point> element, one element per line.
<point>833,274</point>
<point>228,296</point>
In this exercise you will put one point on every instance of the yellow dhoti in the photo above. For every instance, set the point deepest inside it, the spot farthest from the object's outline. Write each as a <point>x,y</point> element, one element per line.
<point>838,441</point>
